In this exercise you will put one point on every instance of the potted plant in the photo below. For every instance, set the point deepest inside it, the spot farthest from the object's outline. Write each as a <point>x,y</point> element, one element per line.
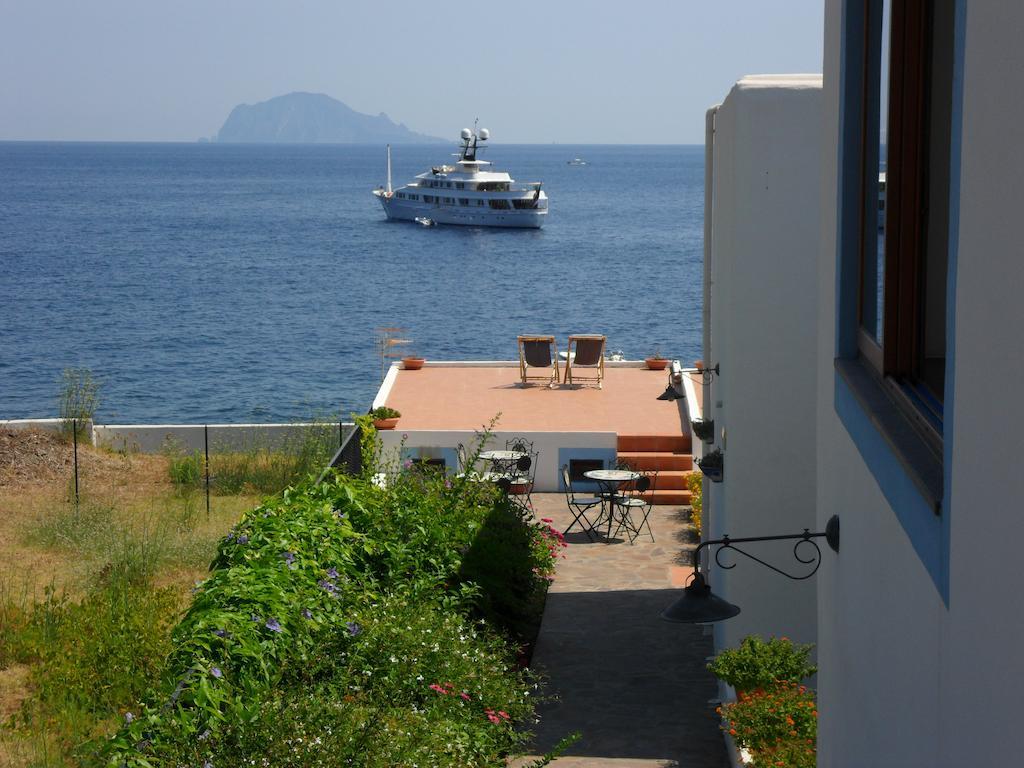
<point>704,429</point>
<point>713,466</point>
<point>656,362</point>
<point>412,362</point>
<point>384,417</point>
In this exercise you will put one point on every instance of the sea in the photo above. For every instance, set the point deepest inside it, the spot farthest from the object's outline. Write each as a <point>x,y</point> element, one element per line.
<point>211,283</point>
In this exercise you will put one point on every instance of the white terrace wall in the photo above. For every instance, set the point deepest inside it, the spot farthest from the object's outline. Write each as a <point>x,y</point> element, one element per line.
<point>152,438</point>
<point>908,678</point>
<point>764,245</point>
<point>553,448</point>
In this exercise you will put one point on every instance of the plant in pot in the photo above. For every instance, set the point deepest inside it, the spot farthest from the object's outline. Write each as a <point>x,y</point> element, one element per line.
<point>704,429</point>
<point>713,466</point>
<point>384,417</point>
<point>412,362</point>
<point>656,362</point>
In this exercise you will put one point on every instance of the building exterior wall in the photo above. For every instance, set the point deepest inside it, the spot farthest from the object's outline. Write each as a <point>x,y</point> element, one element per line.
<point>917,670</point>
<point>765,242</point>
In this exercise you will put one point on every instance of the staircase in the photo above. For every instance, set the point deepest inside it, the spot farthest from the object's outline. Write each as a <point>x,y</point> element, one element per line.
<point>669,455</point>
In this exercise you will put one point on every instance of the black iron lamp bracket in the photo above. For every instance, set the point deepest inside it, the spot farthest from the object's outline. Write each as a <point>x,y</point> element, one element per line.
<point>805,551</point>
<point>706,372</point>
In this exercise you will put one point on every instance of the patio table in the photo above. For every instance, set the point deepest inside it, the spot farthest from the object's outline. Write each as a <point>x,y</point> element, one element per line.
<point>611,480</point>
<point>503,463</point>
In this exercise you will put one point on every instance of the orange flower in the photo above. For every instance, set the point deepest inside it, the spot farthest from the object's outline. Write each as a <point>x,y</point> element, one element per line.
<point>732,731</point>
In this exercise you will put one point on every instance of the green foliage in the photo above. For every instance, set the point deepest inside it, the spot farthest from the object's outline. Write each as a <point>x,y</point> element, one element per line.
<point>695,482</point>
<point>758,663</point>
<point>93,657</point>
<point>779,725</point>
<point>331,610</point>
<point>78,398</point>
<point>185,470</point>
<point>383,412</point>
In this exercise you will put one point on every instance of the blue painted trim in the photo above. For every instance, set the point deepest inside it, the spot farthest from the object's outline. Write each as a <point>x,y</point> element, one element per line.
<point>607,455</point>
<point>955,154</point>
<point>929,534</point>
<point>924,528</point>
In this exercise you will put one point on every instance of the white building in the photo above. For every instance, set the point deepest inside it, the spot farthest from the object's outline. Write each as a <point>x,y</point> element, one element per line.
<point>764,209</point>
<point>918,371</point>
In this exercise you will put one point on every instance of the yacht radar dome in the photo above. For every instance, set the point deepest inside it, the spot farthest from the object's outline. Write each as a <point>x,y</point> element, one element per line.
<point>466,133</point>
<point>484,134</point>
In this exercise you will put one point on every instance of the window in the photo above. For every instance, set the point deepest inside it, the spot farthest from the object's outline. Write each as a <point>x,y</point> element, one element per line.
<point>480,203</point>
<point>577,468</point>
<point>460,185</point>
<point>463,201</point>
<point>908,75</point>
<point>428,198</point>
<point>401,195</point>
<point>500,205</point>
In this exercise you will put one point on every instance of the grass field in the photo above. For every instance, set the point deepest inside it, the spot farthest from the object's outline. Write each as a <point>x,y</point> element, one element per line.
<point>89,591</point>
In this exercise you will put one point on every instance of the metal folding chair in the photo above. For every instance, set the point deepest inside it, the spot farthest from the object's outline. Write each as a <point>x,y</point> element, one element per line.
<point>579,506</point>
<point>585,352</point>
<point>639,499</point>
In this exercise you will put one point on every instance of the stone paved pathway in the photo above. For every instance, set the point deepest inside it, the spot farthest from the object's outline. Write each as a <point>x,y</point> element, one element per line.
<point>634,685</point>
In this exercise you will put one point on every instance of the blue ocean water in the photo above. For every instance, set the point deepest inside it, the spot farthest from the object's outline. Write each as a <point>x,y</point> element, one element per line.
<point>205,282</point>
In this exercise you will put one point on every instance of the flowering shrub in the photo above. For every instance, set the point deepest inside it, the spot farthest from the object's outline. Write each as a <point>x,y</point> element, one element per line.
<point>695,482</point>
<point>759,663</point>
<point>778,724</point>
<point>329,613</point>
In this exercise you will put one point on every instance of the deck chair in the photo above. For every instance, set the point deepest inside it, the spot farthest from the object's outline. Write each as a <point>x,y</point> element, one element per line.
<point>538,353</point>
<point>589,354</point>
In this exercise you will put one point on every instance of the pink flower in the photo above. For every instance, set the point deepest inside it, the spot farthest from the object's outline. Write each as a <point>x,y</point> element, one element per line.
<point>546,520</point>
<point>465,696</point>
<point>438,688</point>
<point>502,713</point>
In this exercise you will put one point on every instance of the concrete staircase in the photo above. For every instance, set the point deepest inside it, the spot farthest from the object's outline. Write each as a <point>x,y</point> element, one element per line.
<point>669,455</point>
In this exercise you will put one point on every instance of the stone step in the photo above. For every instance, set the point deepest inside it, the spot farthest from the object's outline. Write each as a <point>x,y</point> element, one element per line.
<point>654,443</point>
<point>661,460</point>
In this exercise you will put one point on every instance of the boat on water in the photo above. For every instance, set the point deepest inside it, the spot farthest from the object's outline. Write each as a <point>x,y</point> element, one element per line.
<point>467,193</point>
<point>576,161</point>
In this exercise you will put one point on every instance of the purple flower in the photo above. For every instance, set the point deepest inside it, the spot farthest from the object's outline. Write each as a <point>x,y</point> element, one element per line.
<point>332,573</point>
<point>407,463</point>
<point>230,537</point>
<point>341,515</point>
<point>221,633</point>
<point>307,613</point>
<point>207,764</point>
<point>256,618</point>
<point>288,557</point>
<point>204,735</point>
<point>353,628</point>
<point>215,671</point>
<point>128,717</point>
<point>273,625</point>
<point>330,587</point>
<point>243,539</point>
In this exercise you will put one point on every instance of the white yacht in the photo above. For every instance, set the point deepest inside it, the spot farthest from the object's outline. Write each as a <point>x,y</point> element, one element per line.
<point>466,193</point>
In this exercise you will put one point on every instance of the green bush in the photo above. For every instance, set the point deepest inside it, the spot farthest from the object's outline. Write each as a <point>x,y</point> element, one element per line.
<point>695,482</point>
<point>342,603</point>
<point>778,724</point>
<point>78,399</point>
<point>759,664</point>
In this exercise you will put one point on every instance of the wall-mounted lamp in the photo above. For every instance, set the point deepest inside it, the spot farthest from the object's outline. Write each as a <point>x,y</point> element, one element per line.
<point>671,393</point>
<point>699,605</point>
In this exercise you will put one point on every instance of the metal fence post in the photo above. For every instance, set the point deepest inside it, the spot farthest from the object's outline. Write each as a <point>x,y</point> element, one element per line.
<point>206,465</point>
<point>74,426</point>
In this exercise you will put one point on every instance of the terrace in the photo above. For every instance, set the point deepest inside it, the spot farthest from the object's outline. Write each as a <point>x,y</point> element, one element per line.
<point>445,404</point>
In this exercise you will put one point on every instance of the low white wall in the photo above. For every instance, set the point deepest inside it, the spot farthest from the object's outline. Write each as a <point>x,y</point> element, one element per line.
<point>151,438</point>
<point>52,425</point>
<point>553,448</point>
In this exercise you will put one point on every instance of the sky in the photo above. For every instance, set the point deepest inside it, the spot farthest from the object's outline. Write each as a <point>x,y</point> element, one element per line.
<point>610,72</point>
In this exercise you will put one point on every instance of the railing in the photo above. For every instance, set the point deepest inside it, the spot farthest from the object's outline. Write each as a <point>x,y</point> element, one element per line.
<point>349,456</point>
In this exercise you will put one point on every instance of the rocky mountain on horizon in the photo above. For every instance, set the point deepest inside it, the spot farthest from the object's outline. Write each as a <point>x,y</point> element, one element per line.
<point>312,118</point>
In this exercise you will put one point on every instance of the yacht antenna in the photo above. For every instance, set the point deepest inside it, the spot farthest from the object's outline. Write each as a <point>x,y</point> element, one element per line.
<point>388,191</point>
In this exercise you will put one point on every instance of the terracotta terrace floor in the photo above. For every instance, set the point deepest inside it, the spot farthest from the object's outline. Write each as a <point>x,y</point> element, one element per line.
<point>465,397</point>
<point>636,687</point>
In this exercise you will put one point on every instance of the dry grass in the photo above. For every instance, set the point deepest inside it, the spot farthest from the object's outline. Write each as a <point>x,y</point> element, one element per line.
<point>128,510</point>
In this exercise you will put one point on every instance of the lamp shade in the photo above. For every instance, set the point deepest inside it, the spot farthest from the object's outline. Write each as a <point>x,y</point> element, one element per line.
<point>698,605</point>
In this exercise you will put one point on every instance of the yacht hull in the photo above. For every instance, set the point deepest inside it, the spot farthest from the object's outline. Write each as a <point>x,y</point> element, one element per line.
<point>406,210</point>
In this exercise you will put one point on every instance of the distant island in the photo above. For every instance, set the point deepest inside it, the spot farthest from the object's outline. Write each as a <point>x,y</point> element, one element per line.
<point>313,118</point>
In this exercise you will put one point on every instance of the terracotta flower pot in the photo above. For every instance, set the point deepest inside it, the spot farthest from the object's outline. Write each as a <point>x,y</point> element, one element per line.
<point>656,363</point>
<point>412,363</point>
<point>385,423</point>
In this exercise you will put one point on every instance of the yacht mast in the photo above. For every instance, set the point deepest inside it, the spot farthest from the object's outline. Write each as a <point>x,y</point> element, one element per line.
<point>388,190</point>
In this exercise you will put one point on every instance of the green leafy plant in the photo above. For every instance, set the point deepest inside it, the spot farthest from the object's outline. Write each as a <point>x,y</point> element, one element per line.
<point>78,399</point>
<point>778,724</point>
<point>759,663</point>
<point>695,482</point>
<point>384,412</point>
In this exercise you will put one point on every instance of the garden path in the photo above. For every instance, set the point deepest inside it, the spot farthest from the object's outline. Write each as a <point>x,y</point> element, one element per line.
<point>636,687</point>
